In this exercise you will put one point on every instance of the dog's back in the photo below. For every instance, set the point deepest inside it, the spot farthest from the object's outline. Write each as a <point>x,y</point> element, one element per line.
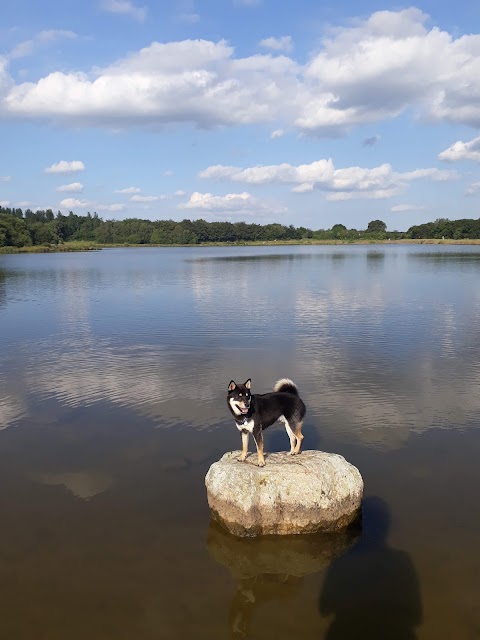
<point>284,402</point>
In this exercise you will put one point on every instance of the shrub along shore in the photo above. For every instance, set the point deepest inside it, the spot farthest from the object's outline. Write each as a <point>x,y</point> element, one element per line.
<point>43,231</point>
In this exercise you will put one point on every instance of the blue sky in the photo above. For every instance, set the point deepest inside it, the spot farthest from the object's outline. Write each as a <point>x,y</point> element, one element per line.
<point>302,112</point>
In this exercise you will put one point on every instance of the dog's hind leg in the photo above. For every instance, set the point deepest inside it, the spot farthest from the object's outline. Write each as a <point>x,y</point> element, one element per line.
<point>299,436</point>
<point>245,435</point>
<point>258,437</point>
<point>291,435</point>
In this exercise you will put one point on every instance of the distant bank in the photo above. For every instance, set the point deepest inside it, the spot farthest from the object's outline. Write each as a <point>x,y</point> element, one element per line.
<point>93,246</point>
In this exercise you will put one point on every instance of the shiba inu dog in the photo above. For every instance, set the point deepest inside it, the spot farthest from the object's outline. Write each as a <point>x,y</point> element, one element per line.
<point>253,413</point>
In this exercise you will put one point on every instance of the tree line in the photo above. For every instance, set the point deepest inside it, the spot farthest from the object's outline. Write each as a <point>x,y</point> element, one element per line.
<point>20,228</point>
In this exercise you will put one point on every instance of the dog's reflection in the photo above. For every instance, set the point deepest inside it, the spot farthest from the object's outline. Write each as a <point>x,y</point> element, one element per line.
<point>271,567</point>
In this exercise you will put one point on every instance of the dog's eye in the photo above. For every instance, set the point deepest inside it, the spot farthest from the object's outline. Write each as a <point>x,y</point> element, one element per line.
<point>240,394</point>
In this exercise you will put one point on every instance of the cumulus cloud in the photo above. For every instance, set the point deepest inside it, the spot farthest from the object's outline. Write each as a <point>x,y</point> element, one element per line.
<point>180,193</point>
<point>190,81</point>
<point>27,47</point>
<point>4,203</point>
<point>124,7</point>
<point>339,184</point>
<point>232,203</point>
<point>73,187</point>
<point>66,166</point>
<point>462,151</point>
<point>284,43</point>
<point>73,203</point>
<point>128,190</point>
<point>367,72</point>
<point>278,133</point>
<point>5,178</point>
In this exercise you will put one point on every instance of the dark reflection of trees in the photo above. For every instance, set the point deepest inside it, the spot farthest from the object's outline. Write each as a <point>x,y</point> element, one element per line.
<point>372,590</point>
<point>270,568</point>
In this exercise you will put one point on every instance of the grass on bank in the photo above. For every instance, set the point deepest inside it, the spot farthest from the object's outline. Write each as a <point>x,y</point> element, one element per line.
<point>93,246</point>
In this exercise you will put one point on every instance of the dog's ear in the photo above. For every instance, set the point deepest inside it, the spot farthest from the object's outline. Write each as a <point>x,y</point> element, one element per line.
<point>232,385</point>
<point>248,384</point>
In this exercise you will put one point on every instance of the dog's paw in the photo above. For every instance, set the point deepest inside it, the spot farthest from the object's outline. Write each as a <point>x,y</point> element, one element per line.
<point>241,459</point>
<point>293,453</point>
<point>261,463</point>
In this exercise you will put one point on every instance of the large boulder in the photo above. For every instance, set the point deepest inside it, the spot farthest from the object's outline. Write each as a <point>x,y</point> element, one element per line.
<point>311,492</point>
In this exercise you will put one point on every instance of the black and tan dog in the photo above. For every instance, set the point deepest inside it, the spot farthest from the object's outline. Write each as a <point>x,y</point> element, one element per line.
<point>253,413</point>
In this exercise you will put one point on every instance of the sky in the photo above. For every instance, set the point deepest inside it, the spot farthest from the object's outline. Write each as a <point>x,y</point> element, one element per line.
<point>299,112</point>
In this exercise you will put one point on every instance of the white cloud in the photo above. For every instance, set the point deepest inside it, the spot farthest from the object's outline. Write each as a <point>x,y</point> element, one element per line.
<point>73,187</point>
<point>5,178</point>
<point>462,151</point>
<point>137,198</point>
<point>168,173</point>
<point>368,72</point>
<point>65,166</point>
<point>284,43</point>
<point>124,7</point>
<point>73,203</point>
<point>247,3</point>
<point>26,48</point>
<point>232,203</point>
<point>191,81</point>
<point>278,133</point>
<point>403,208</point>
<point>180,193</point>
<point>128,190</point>
<point>473,188</point>
<point>339,184</point>
<point>4,203</point>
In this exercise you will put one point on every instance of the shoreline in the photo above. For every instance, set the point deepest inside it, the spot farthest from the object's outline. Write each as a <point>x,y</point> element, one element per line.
<point>68,247</point>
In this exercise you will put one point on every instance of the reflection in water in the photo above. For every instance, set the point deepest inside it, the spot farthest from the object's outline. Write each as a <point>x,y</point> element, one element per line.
<point>372,590</point>
<point>82,484</point>
<point>270,568</point>
<point>369,336</point>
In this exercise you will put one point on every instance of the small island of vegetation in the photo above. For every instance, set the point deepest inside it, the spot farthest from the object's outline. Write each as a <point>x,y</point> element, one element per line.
<point>42,230</point>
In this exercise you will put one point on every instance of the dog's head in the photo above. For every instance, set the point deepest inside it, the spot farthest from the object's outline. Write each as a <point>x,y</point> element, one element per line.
<point>239,397</point>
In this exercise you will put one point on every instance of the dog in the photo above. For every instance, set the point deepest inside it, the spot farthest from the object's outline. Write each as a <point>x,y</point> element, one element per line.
<point>254,413</point>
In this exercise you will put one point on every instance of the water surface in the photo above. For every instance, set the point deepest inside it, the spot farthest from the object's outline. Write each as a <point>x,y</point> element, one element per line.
<point>113,372</point>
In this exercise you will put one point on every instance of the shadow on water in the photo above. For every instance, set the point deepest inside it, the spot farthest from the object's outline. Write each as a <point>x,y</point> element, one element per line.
<point>270,569</point>
<point>372,590</point>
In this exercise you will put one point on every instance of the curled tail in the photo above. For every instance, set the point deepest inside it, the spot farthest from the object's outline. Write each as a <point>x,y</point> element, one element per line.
<point>286,386</point>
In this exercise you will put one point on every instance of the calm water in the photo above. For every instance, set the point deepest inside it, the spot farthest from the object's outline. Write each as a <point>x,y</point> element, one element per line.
<point>113,374</point>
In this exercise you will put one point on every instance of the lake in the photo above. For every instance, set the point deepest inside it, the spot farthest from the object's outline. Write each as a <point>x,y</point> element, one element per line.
<point>114,367</point>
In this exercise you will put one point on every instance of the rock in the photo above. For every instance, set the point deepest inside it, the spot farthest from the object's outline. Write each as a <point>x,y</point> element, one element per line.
<point>311,492</point>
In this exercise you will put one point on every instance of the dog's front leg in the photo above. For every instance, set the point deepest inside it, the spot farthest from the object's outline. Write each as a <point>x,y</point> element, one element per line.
<point>258,437</point>
<point>245,435</point>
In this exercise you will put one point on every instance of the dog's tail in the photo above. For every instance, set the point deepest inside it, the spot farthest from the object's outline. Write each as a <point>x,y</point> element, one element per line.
<point>286,386</point>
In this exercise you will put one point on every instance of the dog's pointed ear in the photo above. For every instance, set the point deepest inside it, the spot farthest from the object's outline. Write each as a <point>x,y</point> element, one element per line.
<point>232,385</point>
<point>248,384</point>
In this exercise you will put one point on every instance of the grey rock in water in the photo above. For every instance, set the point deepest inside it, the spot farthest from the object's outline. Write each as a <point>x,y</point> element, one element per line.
<point>314,491</point>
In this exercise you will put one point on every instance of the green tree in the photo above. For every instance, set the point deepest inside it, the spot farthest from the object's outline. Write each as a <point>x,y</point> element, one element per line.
<point>376,226</point>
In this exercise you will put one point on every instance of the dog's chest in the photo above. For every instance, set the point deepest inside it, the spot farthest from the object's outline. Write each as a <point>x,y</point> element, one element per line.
<point>248,426</point>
